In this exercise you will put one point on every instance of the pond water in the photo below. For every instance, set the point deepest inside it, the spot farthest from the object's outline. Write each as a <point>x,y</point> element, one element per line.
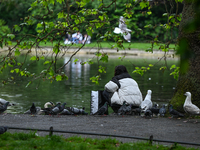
<point>76,91</point>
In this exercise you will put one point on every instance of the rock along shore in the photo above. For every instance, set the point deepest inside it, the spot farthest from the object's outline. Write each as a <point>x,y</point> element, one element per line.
<point>161,128</point>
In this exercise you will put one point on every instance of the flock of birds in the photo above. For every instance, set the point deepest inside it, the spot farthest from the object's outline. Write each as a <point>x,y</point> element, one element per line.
<point>58,109</point>
<point>147,108</point>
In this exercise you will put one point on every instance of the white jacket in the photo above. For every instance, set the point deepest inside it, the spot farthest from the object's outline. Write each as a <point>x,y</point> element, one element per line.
<point>125,89</point>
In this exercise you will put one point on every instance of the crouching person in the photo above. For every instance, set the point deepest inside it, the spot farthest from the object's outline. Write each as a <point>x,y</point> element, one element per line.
<point>122,88</point>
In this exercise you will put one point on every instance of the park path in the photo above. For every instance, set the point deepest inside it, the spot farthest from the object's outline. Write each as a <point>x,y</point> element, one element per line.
<point>160,128</point>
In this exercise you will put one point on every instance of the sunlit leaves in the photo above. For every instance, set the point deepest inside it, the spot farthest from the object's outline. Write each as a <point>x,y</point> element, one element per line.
<point>17,52</point>
<point>60,1</point>
<point>175,72</point>
<point>142,70</point>
<point>144,4</point>
<point>61,15</point>
<point>17,28</point>
<point>58,78</point>
<point>95,79</point>
<point>104,58</point>
<point>11,36</point>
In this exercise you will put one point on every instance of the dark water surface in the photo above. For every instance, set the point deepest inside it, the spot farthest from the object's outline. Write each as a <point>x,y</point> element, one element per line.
<point>76,90</point>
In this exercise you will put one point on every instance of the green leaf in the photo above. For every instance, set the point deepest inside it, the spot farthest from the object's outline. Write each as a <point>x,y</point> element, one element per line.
<point>11,36</point>
<point>61,15</point>
<point>17,28</point>
<point>46,62</point>
<point>17,52</point>
<point>17,70</point>
<point>33,58</point>
<point>75,61</point>
<point>144,4</point>
<point>104,58</point>
<point>60,1</point>
<point>58,78</point>
<point>28,84</point>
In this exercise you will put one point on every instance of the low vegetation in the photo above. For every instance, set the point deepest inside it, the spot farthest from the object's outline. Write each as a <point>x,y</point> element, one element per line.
<point>23,141</point>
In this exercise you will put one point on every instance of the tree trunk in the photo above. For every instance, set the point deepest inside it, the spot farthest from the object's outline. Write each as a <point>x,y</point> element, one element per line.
<point>189,81</point>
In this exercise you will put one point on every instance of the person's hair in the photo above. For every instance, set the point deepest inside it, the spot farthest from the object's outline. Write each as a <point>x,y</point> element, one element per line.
<point>120,69</point>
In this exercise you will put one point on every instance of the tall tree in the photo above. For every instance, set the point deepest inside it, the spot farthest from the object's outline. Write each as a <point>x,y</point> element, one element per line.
<point>189,50</point>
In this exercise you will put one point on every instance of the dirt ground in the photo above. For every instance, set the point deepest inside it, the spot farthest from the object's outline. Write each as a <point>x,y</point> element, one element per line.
<point>161,128</point>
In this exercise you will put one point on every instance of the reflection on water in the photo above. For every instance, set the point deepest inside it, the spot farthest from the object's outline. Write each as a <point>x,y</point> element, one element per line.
<point>76,90</point>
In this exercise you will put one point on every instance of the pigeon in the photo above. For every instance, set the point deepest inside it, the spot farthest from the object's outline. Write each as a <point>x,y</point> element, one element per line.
<point>174,113</point>
<point>48,110</point>
<point>137,111</point>
<point>33,109</point>
<point>123,29</point>
<point>148,113</point>
<point>66,112</point>
<point>77,111</point>
<point>147,103</point>
<point>155,110</point>
<point>4,107</point>
<point>129,109</point>
<point>162,111</point>
<point>3,101</point>
<point>55,110</point>
<point>48,106</point>
<point>189,107</point>
<point>3,129</point>
<point>62,107</point>
<point>102,110</point>
<point>122,109</point>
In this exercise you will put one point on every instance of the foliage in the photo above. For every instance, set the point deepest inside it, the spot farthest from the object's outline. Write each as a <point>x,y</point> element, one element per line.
<point>25,141</point>
<point>44,21</point>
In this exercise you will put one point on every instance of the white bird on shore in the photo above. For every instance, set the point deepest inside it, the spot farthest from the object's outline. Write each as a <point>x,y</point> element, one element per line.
<point>123,29</point>
<point>189,107</point>
<point>147,103</point>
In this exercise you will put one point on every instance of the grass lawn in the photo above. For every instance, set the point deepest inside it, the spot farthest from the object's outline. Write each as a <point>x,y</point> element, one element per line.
<point>30,141</point>
<point>132,45</point>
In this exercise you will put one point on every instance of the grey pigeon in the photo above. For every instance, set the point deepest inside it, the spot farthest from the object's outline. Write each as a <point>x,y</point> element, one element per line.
<point>4,107</point>
<point>129,109</point>
<point>55,110</point>
<point>62,107</point>
<point>189,107</point>
<point>174,112</point>
<point>155,109</point>
<point>102,110</point>
<point>122,109</point>
<point>3,129</point>
<point>137,111</point>
<point>162,111</point>
<point>3,101</point>
<point>148,113</point>
<point>33,109</point>
<point>66,112</point>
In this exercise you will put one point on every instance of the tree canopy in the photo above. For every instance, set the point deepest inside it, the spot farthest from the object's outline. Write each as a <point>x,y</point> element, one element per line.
<point>25,25</point>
